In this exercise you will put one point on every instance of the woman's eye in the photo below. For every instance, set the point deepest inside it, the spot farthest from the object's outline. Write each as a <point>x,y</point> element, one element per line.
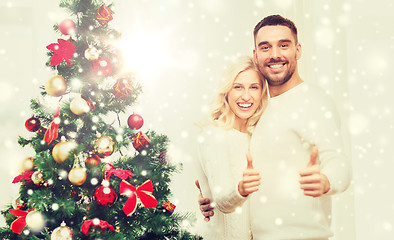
<point>237,87</point>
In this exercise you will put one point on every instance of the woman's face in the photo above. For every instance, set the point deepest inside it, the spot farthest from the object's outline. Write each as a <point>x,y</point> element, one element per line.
<point>245,96</point>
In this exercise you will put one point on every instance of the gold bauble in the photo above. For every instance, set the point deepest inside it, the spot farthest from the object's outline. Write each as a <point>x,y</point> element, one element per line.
<point>27,164</point>
<point>92,53</point>
<point>77,176</point>
<point>104,146</point>
<point>61,151</point>
<point>35,221</point>
<point>37,177</point>
<point>56,86</point>
<point>62,233</point>
<point>79,106</point>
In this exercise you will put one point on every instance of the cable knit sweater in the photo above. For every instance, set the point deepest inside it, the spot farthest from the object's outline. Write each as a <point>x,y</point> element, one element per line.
<point>222,157</point>
<point>280,147</point>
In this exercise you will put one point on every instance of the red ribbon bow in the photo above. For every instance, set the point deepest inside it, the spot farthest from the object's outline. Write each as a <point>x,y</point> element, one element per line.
<point>120,173</point>
<point>62,50</point>
<point>24,176</point>
<point>52,132</point>
<point>96,223</point>
<point>19,224</point>
<point>144,193</point>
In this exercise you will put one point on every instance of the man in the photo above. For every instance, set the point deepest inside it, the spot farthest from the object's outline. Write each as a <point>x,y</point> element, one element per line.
<point>294,199</point>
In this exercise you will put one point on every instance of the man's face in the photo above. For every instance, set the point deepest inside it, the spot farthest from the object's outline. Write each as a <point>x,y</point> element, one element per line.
<point>276,53</point>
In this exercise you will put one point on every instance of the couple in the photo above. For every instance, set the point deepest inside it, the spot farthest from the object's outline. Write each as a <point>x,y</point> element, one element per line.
<point>273,155</point>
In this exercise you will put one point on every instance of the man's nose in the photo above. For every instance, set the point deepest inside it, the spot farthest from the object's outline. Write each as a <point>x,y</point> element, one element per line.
<point>275,53</point>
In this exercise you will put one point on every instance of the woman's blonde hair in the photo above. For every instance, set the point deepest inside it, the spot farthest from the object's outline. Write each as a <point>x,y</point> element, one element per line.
<point>220,112</point>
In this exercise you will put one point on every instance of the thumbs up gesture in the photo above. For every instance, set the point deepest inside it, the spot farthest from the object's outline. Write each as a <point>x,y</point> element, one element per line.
<point>313,182</point>
<point>250,180</point>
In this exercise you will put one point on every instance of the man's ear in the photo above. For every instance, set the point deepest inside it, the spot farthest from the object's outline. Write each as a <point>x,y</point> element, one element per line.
<point>298,51</point>
<point>255,56</point>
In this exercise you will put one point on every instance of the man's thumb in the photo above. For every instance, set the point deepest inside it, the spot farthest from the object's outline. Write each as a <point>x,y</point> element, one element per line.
<point>197,185</point>
<point>250,161</point>
<point>314,153</point>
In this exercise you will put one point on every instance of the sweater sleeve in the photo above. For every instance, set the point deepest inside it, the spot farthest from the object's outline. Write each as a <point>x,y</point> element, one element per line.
<point>324,130</point>
<point>218,182</point>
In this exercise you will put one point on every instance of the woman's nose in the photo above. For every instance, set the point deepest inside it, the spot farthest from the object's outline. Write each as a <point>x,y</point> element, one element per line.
<point>246,95</point>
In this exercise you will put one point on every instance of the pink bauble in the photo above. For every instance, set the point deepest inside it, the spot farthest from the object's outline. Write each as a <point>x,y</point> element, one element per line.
<point>67,26</point>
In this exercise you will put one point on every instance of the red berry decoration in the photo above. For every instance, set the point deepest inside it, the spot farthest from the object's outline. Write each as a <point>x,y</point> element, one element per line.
<point>33,124</point>
<point>105,195</point>
<point>92,160</point>
<point>67,26</point>
<point>135,121</point>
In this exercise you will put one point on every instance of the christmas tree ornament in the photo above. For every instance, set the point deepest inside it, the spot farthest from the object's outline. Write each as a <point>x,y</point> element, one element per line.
<point>104,14</point>
<point>52,132</point>
<point>62,233</point>
<point>143,192</point>
<point>96,223</point>
<point>120,173</point>
<point>104,146</point>
<point>25,176</point>
<point>61,151</point>
<point>79,106</point>
<point>135,121</point>
<point>37,177</point>
<point>56,86</point>
<point>18,203</point>
<point>168,207</point>
<point>35,221</point>
<point>105,195</point>
<point>19,223</point>
<point>102,66</point>
<point>140,141</point>
<point>123,88</point>
<point>91,53</point>
<point>27,164</point>
<point>63,50</point>
<point>67,27</point>
<point>33,124</point>
<point>77,176</point>
<point>92,160</point>
<point>163,157</point>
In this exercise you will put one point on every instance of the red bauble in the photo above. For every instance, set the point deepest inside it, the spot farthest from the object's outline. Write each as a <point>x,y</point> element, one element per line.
<point>67,26</point>
<point>33,124</point>
<point>92,160</point>
<point>135,121</point>
<point>105,195</point>
<point>102,66</point>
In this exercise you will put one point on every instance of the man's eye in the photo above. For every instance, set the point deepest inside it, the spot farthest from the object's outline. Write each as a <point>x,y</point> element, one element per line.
<point>284,45</point>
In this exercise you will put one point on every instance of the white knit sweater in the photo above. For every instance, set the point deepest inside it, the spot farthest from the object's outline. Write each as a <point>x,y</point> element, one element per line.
<point>280,147</point>
<point>222,157</point>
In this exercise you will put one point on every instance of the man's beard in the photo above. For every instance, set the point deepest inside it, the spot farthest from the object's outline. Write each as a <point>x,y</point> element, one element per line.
<point>276,82</point>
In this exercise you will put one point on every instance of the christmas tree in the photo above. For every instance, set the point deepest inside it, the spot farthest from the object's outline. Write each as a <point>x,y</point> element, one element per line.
<point>69,189</point>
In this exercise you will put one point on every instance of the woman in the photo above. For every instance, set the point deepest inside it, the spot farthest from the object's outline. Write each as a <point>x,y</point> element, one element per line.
<point>226,176</point>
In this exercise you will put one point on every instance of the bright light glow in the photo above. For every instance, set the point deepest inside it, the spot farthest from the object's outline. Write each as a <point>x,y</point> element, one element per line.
<point>142,51</point>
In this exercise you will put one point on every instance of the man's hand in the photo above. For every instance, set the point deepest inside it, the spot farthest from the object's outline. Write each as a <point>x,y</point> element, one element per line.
<point>205,204</point>
<point>313,182</point>
<point>251,179</point>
